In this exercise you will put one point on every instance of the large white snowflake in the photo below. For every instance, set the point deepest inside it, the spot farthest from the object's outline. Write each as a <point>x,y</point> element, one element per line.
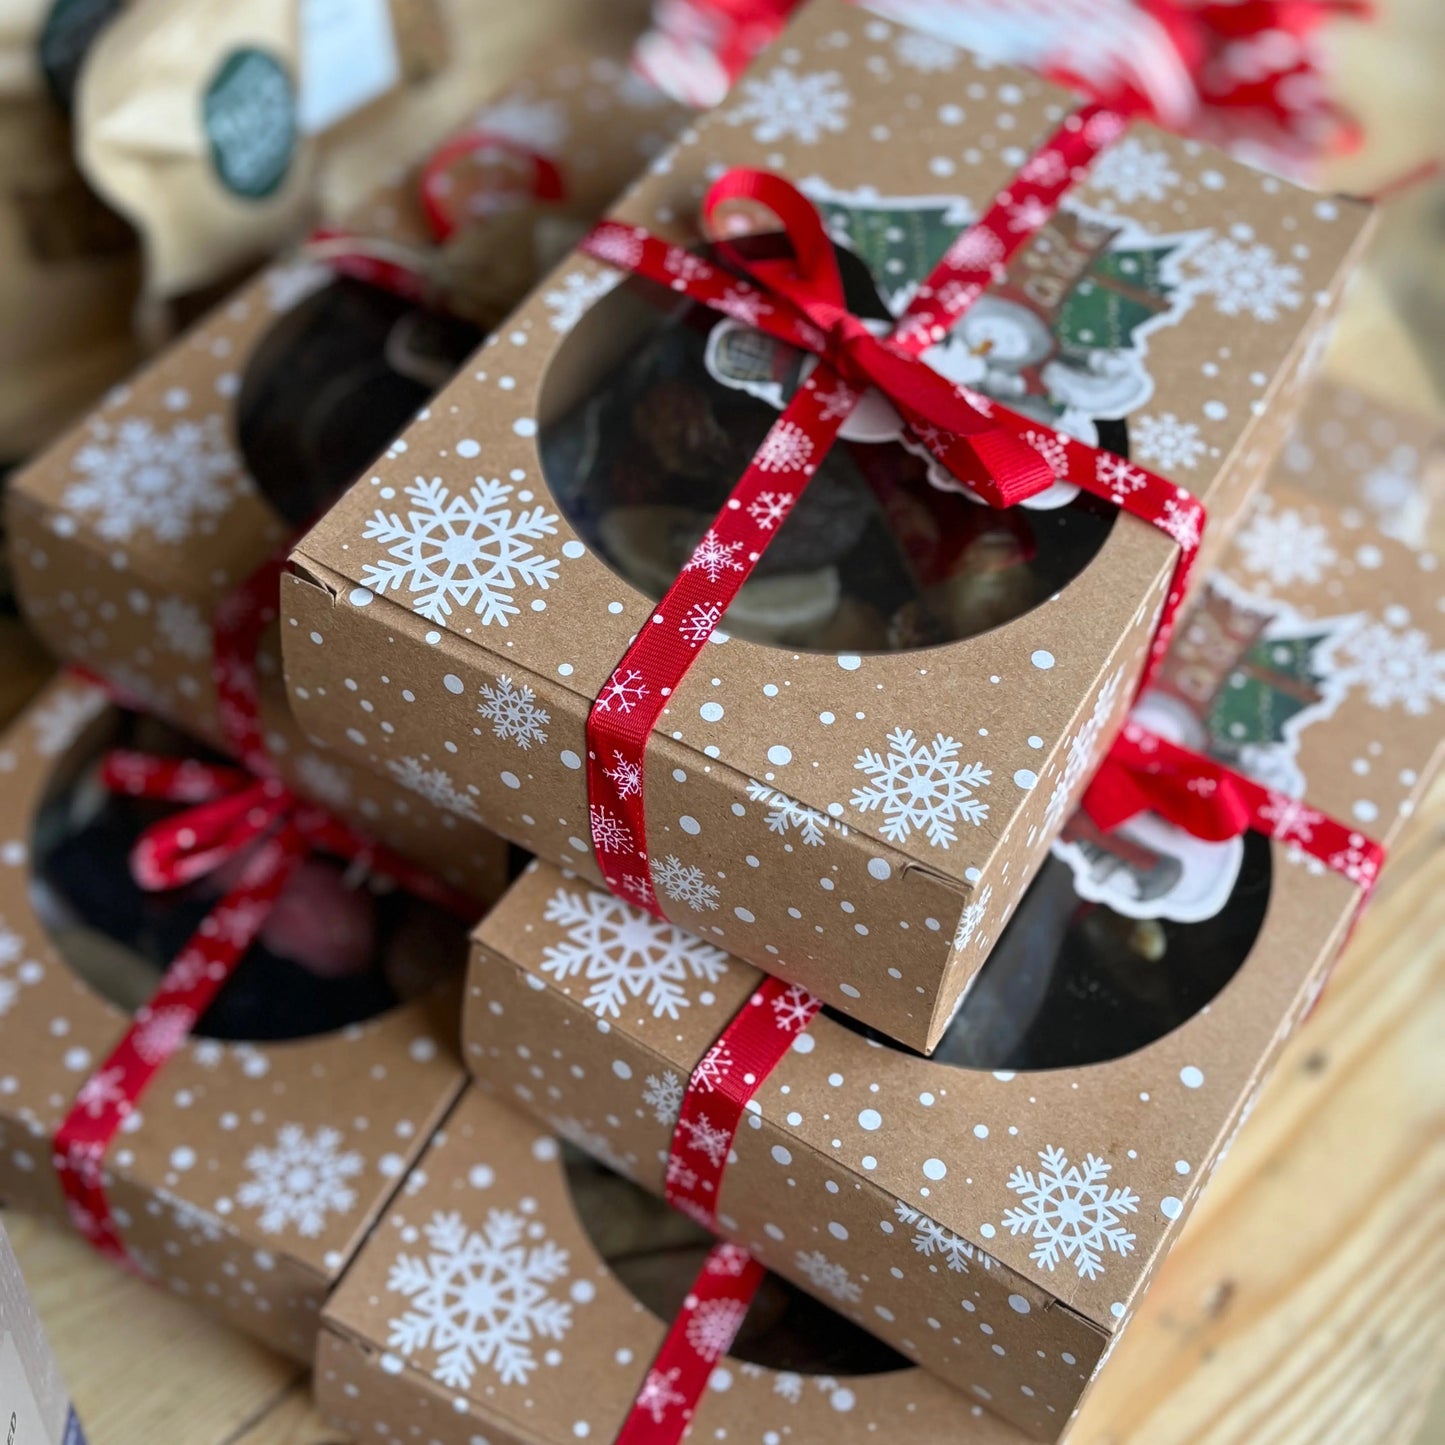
<point>826,1275</point>
<point>1284,547</point>
<point>1394,665</point>
<point>513,712</point>
<point>930,1238</point>
<point>435,785</point>
<point>182,629</point>
<point>970,919</point>
<point>481,1297</point>
<point>1132,171</point>
<point>1071,1212</point>
<point>1168,442</point>
<point>662,1093</point>
<point>576,294</point>
<point>1083,753</point>
<point>787,815</point>
<point>785,104</point>
<point>623,954</point>
<point>300,1180</point>
<point>472,550</point>
<point>1244,279</point>
<point>925,53</point>
<point>684,884</point>
<point>138,478</point>
<point>921,786</point>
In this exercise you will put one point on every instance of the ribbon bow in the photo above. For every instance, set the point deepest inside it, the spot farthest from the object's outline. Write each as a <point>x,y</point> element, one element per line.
<point>805,291</point>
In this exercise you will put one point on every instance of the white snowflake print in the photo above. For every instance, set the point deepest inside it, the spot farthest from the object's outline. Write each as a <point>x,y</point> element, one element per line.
<point>977,249</point>
<point>619,245</point>
<point>1289,819</point>
<point>300,1180</point>
<point>930,1238</point>
<point>662,1093</point>
<point>1394,665</point>
<point>1393,488</point>
<point>576,294</point>
<point>971,918</point>
<point>1046,168</point>
<point>513,712</point>
<point>1116,474</point>
<point>159,1033</point>
<point>786,448</point>
<point>713,1326</point>
<point>711,1071</point>
<point>793,1009</point>
<point>470,551</point>
<point>924,53</point>
<point>685,884</point>
<point>1028,214</point>
<point>768,509</point>
<point>323,780</point>
<point>435,785</point>
<point>198,1225</point>
<point>182,629</point>
<point>727,1261</point>
<point>701,622</point>
<point>1244,279</point>
<point>594,1143</point>
<point>706,1138</point>
<point>713,556</point>
<point>103,1090</point>
<point>745,304</point>
<point>1168,442</point>
<point>1283,547</point>
<point>623,691</point>
<point>236,924</point>
<point>784,104</point>
<point>137,478</point>
<point>481,1298</point>
<point>658,1394</point>
<point>1052,449</point>
<point>838,400</point>
<point>609,833</point>
<point>59,720</point>
<point>539,125</point>
<point>1082,756</point>
<point>1359,866</point>
<point>623,953</point>
<point>921,786</point>
<point>685,266</point>
<point>1071,1212</point>
<point>679,1176</point>
<point>1181,520</point>
<point>787,815</point>
<point>1132,171</point>
<point>823,1274</point>
<point>626,776</point>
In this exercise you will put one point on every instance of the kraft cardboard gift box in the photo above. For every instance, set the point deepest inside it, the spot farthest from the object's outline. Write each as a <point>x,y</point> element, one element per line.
<point>835,786</point>
<point>248,1172</point>
<point>1380,464</point>
<point>994,1211</point>
<point>134,527</point>
<point>34,1405</point>
<point>583,1278</point>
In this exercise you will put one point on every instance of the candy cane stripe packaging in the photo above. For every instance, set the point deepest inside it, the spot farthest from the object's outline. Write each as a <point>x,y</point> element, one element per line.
<point>844,732</point>
<point>993,1212</point>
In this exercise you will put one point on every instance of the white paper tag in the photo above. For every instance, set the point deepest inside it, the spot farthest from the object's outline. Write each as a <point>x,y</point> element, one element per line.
<point>349,57</point>
<point>20,1420</point>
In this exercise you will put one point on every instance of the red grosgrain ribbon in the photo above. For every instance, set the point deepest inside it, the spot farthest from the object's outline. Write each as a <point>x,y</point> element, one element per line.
<point>1146,773</point>
<point>243,813</point>
<point>721,1087</point>
<point>980,442</point>
<point>700,1335</point>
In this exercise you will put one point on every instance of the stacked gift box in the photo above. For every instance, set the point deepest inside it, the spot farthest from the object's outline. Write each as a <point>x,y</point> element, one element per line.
<point>907,934</point>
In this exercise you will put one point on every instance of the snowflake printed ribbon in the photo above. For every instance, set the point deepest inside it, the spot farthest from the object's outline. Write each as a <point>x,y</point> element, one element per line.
<point>698,1337</point>
<point>799,301</point>
<point>230,813</point>
<point>1144,772</point>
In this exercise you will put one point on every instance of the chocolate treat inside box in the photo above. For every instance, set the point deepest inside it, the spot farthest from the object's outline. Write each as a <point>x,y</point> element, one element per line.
<point>254,1163</point>
<point>1378,463</point>
<point>994,1211</point>
<point>913,687</point>
<point>599,1270</point>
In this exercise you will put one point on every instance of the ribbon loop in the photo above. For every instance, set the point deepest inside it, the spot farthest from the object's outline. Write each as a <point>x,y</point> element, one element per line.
<point>197,841</point>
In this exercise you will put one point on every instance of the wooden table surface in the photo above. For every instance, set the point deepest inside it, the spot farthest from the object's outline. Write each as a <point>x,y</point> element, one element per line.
<point>1305,1301</point>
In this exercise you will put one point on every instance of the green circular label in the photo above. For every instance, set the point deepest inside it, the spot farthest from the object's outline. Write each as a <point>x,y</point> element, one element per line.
<point>69,30</point>
<point>250,119</point>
